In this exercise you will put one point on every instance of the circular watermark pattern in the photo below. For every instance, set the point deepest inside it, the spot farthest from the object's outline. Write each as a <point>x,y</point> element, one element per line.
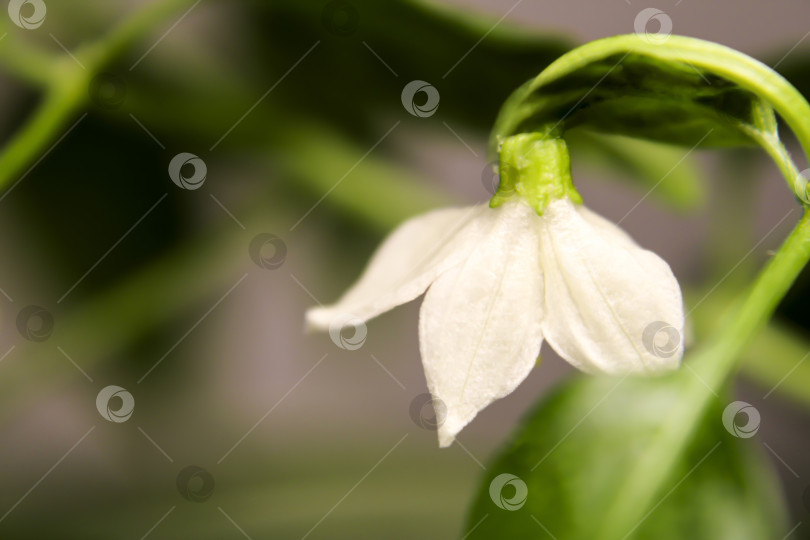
<point>187,171</point>
<point>490,178</point>
<point>491,175</point>
<point>496,492</point>
<point>801,186</point>
<point>732,413</point>
<point>348,332</point>
<point>340,18</point>
<point>27,14</point>
<point>661,339</point>
<point>428,412</point>
<point>426,109</point>
<point>35,323</point>
<point>195,484</point>
<point>108,90</point>
<point>115,404</point>
<point>643,21</point>
<point>268,251</point>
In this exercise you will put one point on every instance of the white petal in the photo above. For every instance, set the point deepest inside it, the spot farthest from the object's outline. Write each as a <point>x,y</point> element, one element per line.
<point>479,325</point>
<point>405,264</point>
<point>606,227</point>
<point>611,306</point>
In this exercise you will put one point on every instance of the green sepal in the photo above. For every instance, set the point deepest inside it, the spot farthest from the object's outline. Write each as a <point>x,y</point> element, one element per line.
<point>537,168</point>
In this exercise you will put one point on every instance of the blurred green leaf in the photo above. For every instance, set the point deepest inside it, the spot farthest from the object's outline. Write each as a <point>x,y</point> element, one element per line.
<point>385,45</point>
<point>578,447</point>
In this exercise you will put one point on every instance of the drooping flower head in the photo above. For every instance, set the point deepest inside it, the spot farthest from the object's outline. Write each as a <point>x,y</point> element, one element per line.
<point>534,264</point>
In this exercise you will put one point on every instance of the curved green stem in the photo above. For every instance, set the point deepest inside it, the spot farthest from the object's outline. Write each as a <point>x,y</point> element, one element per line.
<point>749,74</point>
<point>733,65</point>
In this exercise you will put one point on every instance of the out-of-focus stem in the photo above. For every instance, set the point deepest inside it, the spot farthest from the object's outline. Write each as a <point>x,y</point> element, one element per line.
<point>66,84</point>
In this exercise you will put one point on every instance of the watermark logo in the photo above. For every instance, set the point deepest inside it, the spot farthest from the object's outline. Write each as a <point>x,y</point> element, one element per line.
<point>426,109</point>
<point>115,412</point>
<point>340,18</point>
<point>187,171</point>
<point>490,178</point>
<point>731,415</point>
<point>642,23</point>
<point>498,486</point>
<point>35,323</point>
<point>348,332</point>
<point>661,339</point>
<point>195,484</point>
<point>108,90</point>
<point>428,412</point>
<point>491,175</point>
<point>27,14</point>
<point>268,251</point>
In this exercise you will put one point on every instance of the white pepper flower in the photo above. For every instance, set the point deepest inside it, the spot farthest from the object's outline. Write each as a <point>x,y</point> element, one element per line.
<point>534,264</point>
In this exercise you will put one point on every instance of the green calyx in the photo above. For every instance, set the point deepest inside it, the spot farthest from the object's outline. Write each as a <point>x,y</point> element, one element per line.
<point>537,168</point>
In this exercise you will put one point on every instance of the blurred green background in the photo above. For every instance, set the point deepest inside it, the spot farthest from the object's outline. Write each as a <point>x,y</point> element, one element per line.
<point>295,109</point>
